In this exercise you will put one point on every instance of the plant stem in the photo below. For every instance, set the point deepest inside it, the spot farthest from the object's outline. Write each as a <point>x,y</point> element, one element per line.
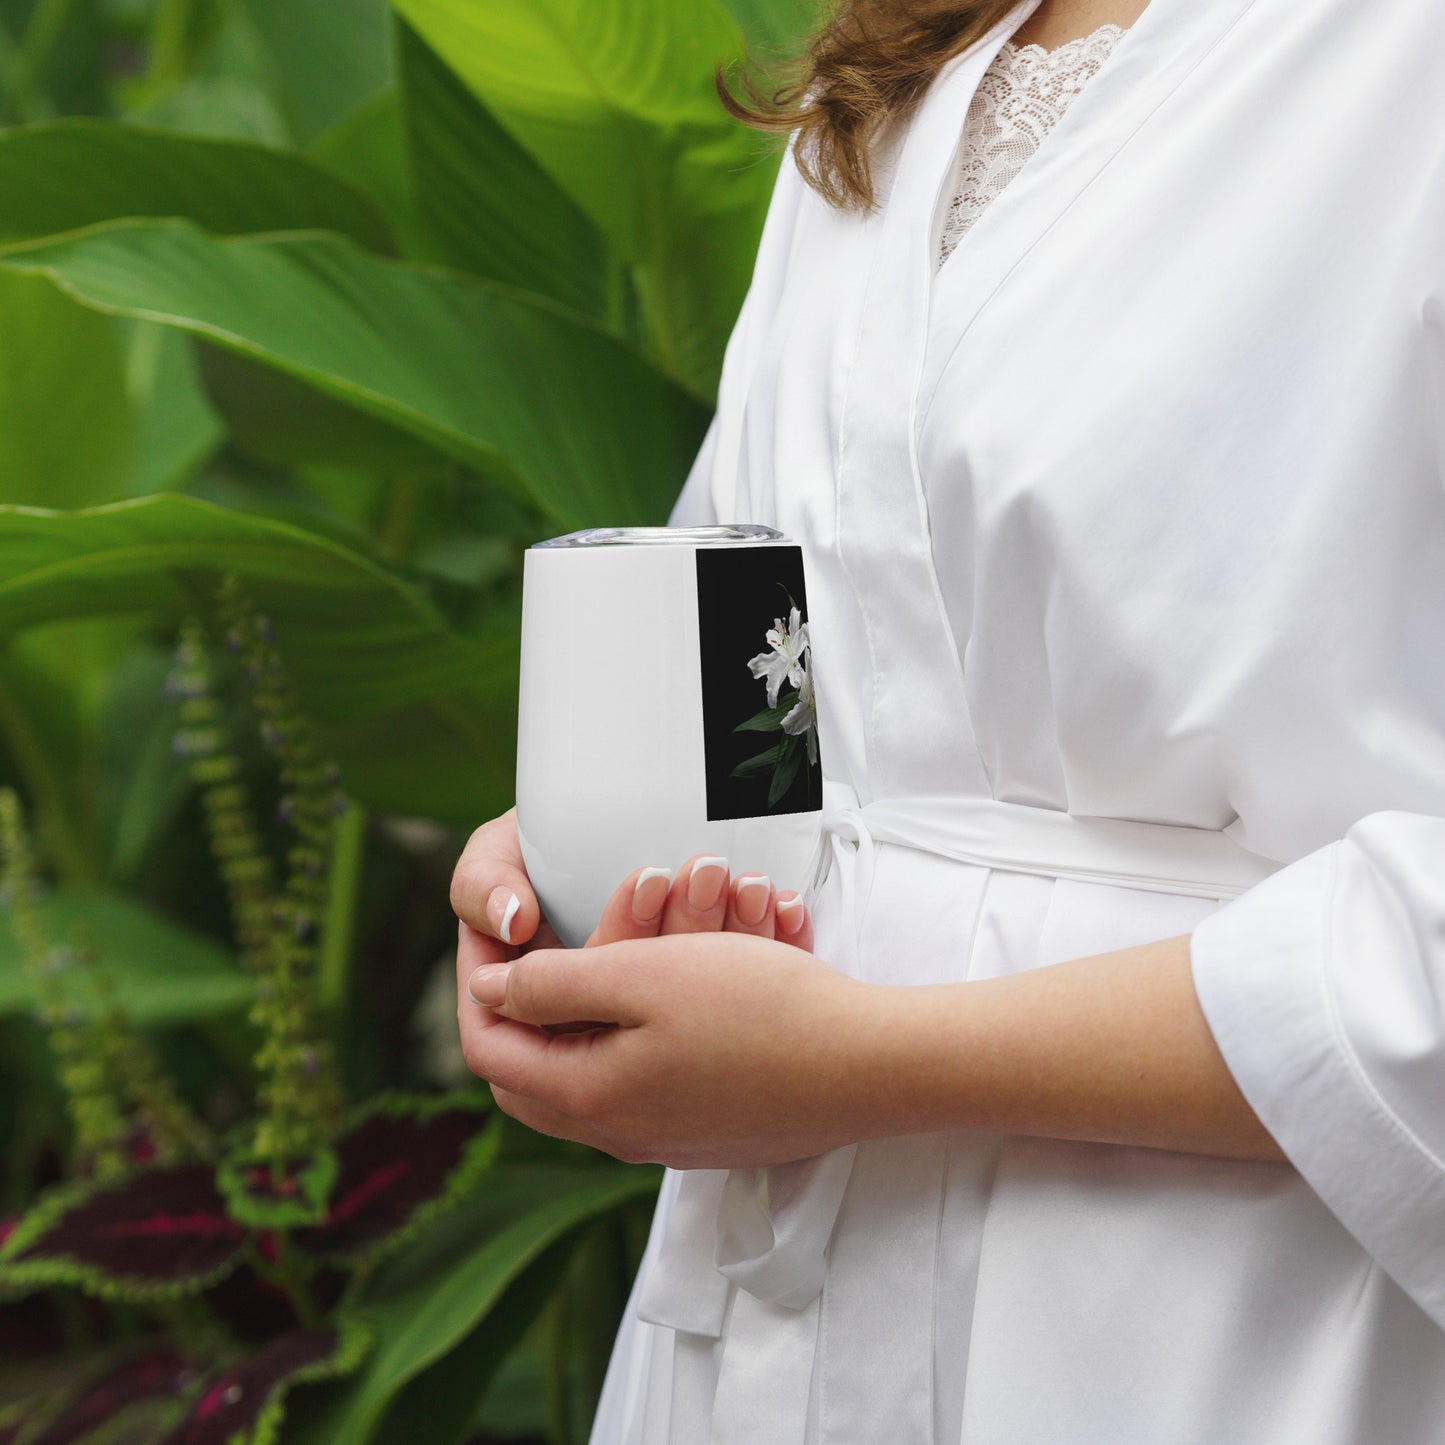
<point>400,522</point>
<point>355,1287</point>
<point>289,1278</point>
<point>339,926</point>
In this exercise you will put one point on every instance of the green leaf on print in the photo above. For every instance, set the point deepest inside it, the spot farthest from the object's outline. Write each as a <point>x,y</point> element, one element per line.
<point>787,771</point>
<point>756,764</point>
<point>770,719</point>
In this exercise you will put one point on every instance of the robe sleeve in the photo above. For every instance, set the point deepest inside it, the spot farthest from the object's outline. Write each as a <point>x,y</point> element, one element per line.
<point>1324,987</point>
<point>709,495</point>
<point>694,506</point>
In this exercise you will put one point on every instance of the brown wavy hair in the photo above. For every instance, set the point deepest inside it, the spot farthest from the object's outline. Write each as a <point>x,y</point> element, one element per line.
<point>865,68</point>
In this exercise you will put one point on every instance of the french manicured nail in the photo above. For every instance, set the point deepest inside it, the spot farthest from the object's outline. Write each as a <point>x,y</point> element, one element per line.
<point>753,894</point>
<point>488,984</point>
<point>502,908</point>
<point>790,914</point>
<point>649,893</point>
<point>706,883</point>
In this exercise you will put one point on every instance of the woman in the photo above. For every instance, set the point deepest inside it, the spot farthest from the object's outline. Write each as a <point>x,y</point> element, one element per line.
<point>1110,1107</point>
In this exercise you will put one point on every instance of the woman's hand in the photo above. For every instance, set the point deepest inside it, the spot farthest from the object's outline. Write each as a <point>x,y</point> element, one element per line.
<point>711,1050</point>
<point>702,899</point>
<point>493,898</point>
<point>501,920</point>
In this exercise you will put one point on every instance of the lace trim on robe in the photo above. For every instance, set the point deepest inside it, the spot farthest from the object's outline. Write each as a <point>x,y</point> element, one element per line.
<point>1020,99</point>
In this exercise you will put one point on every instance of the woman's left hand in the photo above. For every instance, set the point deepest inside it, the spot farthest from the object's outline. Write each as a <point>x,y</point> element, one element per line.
<point>711,1050</point>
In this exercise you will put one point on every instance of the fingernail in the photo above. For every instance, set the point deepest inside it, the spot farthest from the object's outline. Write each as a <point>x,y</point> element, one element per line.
<point>705,885</point>
<point>753,894</point>
<point>502,908</point>
<point>790,914</point>
<point>649,893</point>
<point>488,984</point>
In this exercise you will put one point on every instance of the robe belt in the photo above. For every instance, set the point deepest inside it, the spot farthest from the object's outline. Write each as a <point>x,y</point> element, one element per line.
<point>767,1230</point>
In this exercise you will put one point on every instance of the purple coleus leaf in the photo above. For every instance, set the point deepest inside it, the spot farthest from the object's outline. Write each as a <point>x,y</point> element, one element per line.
<point>254,1198</point>
<point>243,1404</point>
<point>155,1234</point>
<point>402,1159</point>
<point>160,1374</point>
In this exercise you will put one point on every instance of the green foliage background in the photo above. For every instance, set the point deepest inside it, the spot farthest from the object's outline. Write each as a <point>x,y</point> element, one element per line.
<point>352,301</point>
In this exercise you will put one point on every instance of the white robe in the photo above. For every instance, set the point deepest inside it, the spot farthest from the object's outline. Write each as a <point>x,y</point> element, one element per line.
<point>1135,510</point>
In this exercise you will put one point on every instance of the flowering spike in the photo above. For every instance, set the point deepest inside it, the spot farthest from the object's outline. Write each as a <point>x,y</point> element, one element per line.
<point>93,1093</point>
<point>298,1089</point>
<point>162,1129</point>
<point>241,857</point>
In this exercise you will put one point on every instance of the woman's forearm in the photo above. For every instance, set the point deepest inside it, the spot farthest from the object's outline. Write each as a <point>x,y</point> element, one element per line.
<point>1112,1048</point>
<point>724,1051</point>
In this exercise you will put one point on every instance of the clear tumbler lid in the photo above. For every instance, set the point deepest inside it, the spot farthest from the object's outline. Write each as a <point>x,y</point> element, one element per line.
<point>633,536</point>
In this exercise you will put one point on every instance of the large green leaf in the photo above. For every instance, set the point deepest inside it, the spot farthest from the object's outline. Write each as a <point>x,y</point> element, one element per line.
<point>617,103</point>
<point>368,147</point>
<point>516,387</point>
<point>448,1393</point>
<point>326,56</point>
<point>79,704</point>
<point>85,719</point>
<point>162,973</point>
<point>177,428</point>
<point>66,429</point>
<point>775,29</point>
<point>421,719</point>
<point>276,418</point>
<point>493,210</point>
<point>143,784</point>
<point>431,1299</point>
<point>209,75</point>
<point>75,173</point>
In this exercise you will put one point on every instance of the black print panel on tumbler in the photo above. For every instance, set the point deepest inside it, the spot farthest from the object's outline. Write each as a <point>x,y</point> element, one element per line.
<point>759,724</point>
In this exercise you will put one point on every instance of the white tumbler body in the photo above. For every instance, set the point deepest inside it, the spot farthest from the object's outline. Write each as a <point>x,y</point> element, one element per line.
<point>611,722</point>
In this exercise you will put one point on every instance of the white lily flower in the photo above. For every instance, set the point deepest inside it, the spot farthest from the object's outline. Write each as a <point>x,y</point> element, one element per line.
<point>772,666</point>
<point>785,661</point>
<point>804,716</point>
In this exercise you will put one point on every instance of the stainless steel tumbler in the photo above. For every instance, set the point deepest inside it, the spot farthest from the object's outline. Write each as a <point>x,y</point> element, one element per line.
<point>666,709</point>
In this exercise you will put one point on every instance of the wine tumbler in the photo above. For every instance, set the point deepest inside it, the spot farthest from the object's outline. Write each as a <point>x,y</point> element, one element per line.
<point>666,710</point>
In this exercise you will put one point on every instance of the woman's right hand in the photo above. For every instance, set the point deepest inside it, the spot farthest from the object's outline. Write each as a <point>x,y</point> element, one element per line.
<point>500,918</point>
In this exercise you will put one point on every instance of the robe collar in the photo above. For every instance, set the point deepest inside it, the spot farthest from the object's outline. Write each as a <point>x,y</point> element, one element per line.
<point>1165,45</point>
